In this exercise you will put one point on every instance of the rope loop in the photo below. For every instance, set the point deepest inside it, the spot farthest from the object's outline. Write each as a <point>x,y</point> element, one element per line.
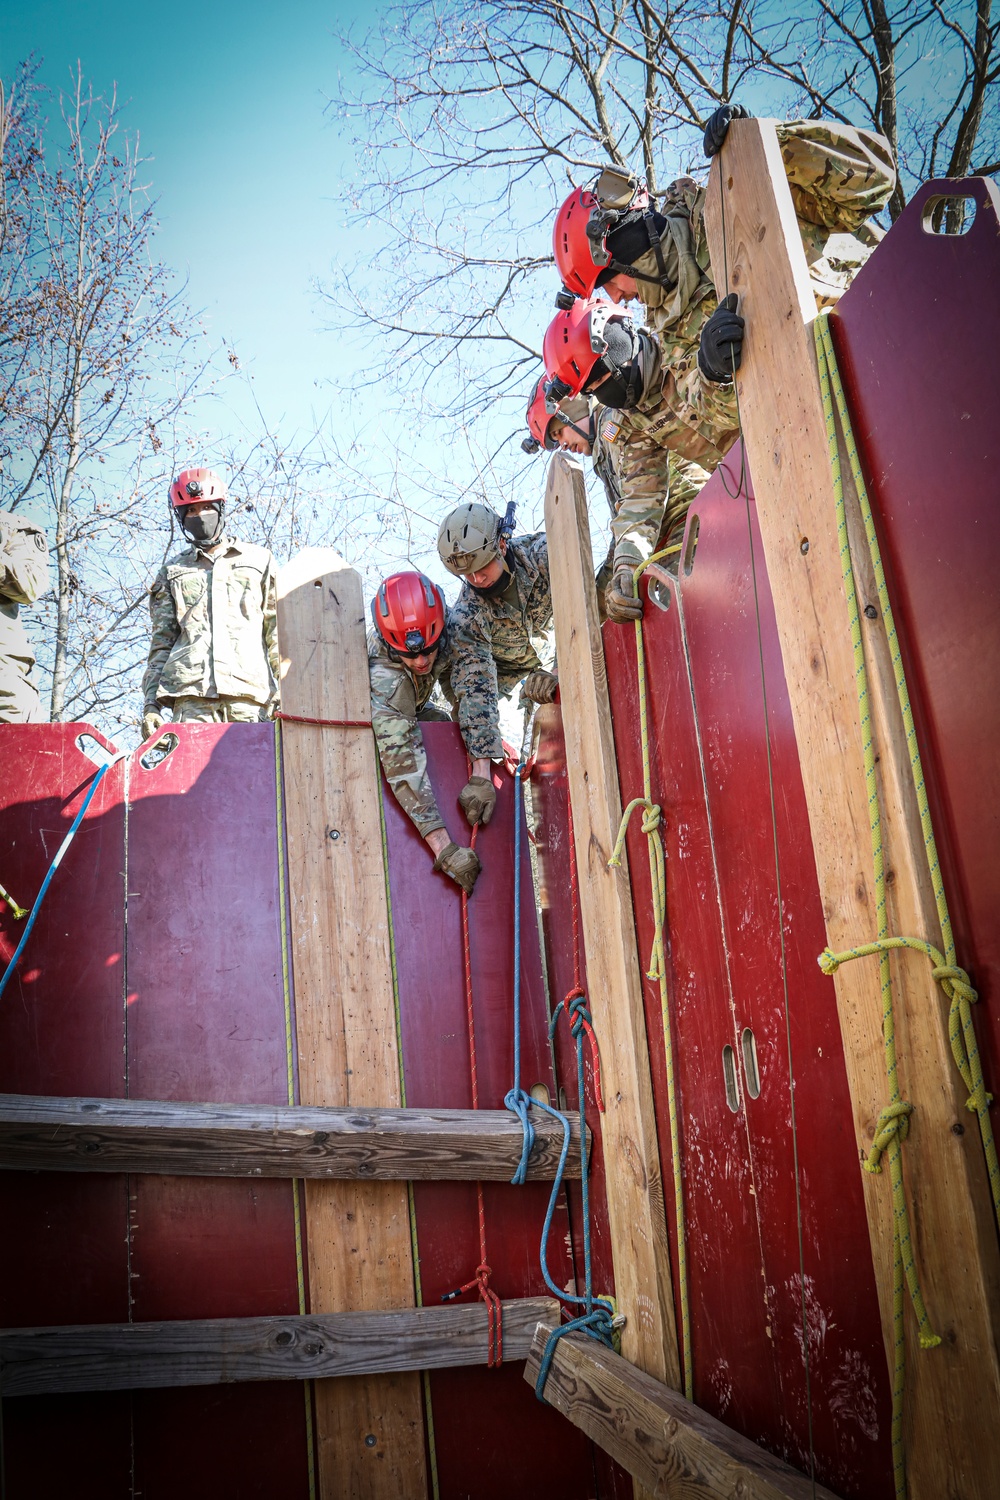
<point>893,1124</point>
<point>598,1324</point>
<point>519,1103</point>
<point>651,818</point>
<point>955,982</point>
<point>581,1023</point>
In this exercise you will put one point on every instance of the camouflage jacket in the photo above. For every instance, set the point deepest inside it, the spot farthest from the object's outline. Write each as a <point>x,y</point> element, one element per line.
<point>214,627</point>
<point>398,699</point>
<point>496,642</point>
<point>838,177</point>
<point>24,577</point>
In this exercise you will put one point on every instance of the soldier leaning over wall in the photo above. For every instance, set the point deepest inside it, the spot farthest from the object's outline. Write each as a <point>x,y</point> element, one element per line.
<point>24,574</point>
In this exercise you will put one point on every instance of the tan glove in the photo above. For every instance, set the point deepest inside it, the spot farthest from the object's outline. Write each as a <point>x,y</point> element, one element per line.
<point>540,687</point>
<point>477,800</point>
<point>619,600</point>
<point>152,720</point>
<point>462,865</point>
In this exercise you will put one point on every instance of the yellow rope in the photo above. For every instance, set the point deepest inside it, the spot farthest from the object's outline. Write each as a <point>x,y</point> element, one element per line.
<point>286,990</point>
<point>20,912</point>
<point>657,962</point>
<point>894,1121</point>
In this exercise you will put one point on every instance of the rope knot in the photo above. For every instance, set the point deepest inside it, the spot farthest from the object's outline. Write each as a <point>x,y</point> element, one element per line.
<point>955,982</point>
<point>651,818</point>
<point>519,1103</point>
<point>893,1124</point>
<point>828,961</point>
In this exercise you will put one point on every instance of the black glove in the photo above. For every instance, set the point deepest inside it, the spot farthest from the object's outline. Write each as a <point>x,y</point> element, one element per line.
<point>461,864</point>
<point>620,603</point>
<point>477,799</point>
<point>721,347</point>
<point>718,124</point>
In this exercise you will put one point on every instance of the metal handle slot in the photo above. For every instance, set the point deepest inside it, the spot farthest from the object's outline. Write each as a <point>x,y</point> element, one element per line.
<point>751,1072</point>
<point>729,1074</point>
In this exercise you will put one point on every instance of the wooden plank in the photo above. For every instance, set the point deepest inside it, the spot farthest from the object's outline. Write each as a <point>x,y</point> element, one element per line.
<point>358,1233</point>
<point>221,1351</point>
<point>634,1186</point>
<point>252,1140</point>
<point>953,1392</point>
<point>669,1446</point>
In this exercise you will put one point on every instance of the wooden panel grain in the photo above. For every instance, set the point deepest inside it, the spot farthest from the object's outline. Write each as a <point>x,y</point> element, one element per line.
<point>247,1140</point>
<point>221,1351</point>
<point>634,1185</point>
<point>669,1446</point>
<point>358,1233</point>
<point>953,1392</point>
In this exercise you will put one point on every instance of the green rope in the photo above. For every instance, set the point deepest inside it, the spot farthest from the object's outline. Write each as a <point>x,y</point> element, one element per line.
<point>657,968</point>
<point>894,1121</point>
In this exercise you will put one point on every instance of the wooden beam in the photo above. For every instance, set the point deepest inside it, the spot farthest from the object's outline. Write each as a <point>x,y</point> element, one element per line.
<point>250,1140</point>
<point>358,1233</point>
<point>631,1156</point>
<point>953,1392</point>
<point>670,1447</point>
<point>220,1351</point>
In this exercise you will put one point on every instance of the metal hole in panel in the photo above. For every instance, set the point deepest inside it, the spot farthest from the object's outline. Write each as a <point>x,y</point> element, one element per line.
<point>729,1073</point>
<point>539,1093</point>
<point>690,544</point>
<point>751,1072</point>
<point>948,213</point>
<point>659,586</point>
<point>94,750</point>
<point>158,751</point>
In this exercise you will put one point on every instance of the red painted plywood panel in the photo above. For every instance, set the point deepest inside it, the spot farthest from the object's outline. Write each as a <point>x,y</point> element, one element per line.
<point>916,337</point>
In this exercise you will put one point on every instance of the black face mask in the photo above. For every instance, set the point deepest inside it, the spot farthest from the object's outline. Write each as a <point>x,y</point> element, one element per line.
<point>494,590</point>
<point>622,388</point>
<point>204,527</point>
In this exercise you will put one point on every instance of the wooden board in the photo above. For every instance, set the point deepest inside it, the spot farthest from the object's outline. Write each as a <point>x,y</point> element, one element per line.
<point>234,1140</point>
<point>220,1351</point>
<point>668,1446</point>
<point>954,1391</point>
<point>634,1183</point>
<point>358,1233</point>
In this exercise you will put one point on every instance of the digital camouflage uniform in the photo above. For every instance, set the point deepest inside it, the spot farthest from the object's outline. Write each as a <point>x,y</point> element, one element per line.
<point>496,642</point>
<point>214,649</point>
<point>24,576</point>
<point>839,176</point>
<point>401,700</point>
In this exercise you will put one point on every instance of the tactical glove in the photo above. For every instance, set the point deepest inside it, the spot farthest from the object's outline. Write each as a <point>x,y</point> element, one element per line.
<point>462,865</point>
<point>718,124</point>
<point>620,601</point>
<point>721,347</point>
<point>477,799</point>
<point>152,720</point>
<point>540,687</point>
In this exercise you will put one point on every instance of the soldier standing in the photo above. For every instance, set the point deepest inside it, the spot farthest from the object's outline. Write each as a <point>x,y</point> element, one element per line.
<point>24,575</point>
<point>675,391</point>
<point>409,656</point>
<point>213,656</point>
<point>501,632</point>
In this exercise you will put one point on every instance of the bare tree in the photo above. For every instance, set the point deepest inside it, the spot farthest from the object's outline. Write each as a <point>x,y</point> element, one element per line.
<point>475,115</point>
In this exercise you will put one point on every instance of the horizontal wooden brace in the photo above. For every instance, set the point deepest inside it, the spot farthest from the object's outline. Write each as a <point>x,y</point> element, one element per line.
<point>668,1446</point>
<point>221,1351</point>
<point>248,1140</point>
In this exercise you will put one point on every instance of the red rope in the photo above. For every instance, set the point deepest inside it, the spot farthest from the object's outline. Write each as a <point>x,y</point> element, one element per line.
<point>481,1280</point>
<point>327,723</point>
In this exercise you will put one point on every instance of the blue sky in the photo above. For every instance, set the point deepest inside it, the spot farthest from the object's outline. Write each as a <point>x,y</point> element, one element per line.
<point>228,102</point>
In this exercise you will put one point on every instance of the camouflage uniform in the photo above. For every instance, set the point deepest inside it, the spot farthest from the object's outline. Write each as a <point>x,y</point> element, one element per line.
<point>400,701</point>
<point>496,642</point>
<point>214,649</point>
<point>24,574</point>
<point>838,177</point>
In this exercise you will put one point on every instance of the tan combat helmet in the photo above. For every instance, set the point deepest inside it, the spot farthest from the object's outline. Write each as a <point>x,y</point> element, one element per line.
<point>469,538</point>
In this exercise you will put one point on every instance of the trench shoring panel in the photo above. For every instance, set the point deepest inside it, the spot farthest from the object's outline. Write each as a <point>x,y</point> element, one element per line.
<point>710,774</point>
<point>476,1411</point>
<point>916,338</point>
<point>62,1031</point>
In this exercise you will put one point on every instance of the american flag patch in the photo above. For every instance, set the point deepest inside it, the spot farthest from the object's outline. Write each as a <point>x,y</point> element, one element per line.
<point>610,431</point>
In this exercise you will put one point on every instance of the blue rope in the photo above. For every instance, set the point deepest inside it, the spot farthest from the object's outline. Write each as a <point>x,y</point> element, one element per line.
<point>596,1318</point>
<point>54,866</point>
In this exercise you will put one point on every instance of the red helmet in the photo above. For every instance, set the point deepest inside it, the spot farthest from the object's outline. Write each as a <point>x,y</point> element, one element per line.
<point>581,257</point>
<point>409,613</point>
<point>574,342</point>
<point>193,485</point>
<point>539,416</point>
